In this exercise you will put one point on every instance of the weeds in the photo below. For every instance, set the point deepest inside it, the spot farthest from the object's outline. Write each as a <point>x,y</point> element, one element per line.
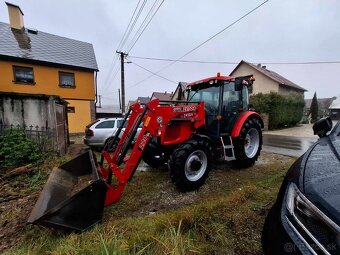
<point>218,219</point>
<point>16,149</point>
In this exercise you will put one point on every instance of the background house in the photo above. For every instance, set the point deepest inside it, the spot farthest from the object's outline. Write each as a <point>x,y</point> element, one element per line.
<point>323,106</point>
<point>266,80</point>
<point>334,109</point>
<point>34,62</point>
<point>142,100</point>
<point>108,111</point>
<point>162,96</point>
<point>180,91</point>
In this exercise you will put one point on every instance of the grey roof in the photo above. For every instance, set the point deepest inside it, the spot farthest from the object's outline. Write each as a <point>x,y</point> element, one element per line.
<point>36,46</point>
<point>143,100</point>
<point>272,75</point>
<point>323,103</point>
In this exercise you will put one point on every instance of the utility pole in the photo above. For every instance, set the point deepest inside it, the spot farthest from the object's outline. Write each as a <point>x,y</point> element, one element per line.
<point>100,101</point>
<point>122,57</point>
<point>120,102</point>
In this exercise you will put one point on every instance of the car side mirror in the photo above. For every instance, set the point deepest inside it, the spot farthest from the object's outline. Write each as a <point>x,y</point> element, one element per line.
<point>322,126</point>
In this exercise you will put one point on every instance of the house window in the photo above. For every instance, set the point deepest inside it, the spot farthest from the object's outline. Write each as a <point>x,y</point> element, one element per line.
<point>23,75</point>
<point>66,79</point>
<point>71,109</point>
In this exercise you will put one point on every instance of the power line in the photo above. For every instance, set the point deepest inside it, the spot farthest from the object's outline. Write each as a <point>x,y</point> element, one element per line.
<point>184,61</point>
<point>134,23</point>
<point>136,40</point>
<point>204,42</point>
<point>143,22</point>
<point>138,34</point>
<point>111,77</point>
<point>133,14</point>
<point>153,73</point>
<point>235,63</point>
<point>113,67</point>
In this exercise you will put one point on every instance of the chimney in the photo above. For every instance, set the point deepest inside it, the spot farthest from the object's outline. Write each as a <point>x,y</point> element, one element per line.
<point>16,15</point>
<point>264,67</point>
<point>258,65</point>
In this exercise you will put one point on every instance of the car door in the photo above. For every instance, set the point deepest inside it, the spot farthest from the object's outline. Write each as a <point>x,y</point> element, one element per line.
<point>104,129</point>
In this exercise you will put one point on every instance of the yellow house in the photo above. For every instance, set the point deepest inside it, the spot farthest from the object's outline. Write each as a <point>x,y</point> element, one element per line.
<point>35,62</point>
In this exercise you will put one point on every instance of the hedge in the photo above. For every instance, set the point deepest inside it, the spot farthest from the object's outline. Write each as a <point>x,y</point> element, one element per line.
<point>283,110</point>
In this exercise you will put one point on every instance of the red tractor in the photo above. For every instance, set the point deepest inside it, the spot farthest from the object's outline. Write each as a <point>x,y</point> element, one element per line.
<point>214,123</point>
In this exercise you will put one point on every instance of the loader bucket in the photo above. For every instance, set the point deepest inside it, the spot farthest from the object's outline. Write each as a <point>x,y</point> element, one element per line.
<point>73,196</point>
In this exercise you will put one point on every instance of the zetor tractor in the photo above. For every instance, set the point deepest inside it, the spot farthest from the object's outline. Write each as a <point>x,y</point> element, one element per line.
<point>214,123</point>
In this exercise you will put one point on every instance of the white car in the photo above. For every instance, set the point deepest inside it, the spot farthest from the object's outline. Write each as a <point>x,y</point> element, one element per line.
<point>98,131</point>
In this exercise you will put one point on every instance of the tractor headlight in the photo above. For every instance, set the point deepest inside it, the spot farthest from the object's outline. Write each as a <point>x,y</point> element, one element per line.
<point>318,230</point>
<point>159,132</point>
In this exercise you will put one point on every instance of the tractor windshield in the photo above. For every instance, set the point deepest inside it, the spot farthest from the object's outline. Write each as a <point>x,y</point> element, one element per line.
<point>209,95</point>
<point>234,100</point>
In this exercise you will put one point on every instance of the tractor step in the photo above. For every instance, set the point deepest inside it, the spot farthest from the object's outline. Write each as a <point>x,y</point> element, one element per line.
<point>228,148</point>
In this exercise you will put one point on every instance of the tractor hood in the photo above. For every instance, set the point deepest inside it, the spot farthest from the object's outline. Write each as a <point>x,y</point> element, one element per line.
<point>321,178</point>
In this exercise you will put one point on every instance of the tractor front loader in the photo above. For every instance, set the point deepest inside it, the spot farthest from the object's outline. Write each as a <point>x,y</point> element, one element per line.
<point>213,123</point>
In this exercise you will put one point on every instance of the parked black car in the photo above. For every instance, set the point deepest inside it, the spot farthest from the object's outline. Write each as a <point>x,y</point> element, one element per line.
<point>305,218</point>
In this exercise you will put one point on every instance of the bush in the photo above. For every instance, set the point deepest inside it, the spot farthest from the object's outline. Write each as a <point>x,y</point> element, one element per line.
<point>16,149</point>
<point>283,110</point>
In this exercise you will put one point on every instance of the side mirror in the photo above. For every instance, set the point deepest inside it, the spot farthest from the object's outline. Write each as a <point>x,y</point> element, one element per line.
<point>238,84</point>
<point>322,126</point>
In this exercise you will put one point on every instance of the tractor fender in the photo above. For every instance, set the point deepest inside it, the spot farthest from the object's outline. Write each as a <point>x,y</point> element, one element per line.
<point>240,121</point>
<point>204,137</point>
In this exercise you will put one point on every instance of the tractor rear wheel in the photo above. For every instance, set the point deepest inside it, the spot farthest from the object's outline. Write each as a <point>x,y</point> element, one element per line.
<point>155,156</point>
<point>190,164</point>
<point>248,144</point>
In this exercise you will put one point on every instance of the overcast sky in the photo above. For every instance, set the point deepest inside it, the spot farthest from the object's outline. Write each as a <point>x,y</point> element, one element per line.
<point>279,31</point>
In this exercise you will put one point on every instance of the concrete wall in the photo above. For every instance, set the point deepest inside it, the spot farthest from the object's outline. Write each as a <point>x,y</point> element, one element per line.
<point>27,111</point>
<point>262,83</point>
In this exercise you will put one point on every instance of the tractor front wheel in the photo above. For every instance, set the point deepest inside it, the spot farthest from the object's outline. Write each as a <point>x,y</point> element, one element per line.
<point>248,144</point>
<point>155,156</point>
<point>190,164</point>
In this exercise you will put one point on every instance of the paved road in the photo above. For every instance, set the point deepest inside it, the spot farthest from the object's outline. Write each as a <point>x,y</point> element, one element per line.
<point>287,145</point>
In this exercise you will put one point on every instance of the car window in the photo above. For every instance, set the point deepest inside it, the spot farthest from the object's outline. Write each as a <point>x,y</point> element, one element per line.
<point>106,124</point>
<point>93,122</point>
<point>120,123</point>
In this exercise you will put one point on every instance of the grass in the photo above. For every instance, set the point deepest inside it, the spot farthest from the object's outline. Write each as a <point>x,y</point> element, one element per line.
<point>224,217</point>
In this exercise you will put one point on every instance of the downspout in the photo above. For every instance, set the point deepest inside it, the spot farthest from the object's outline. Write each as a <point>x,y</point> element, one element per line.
<point>96,95</point>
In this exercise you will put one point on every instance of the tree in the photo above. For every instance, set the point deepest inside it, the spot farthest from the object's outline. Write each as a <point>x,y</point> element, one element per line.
<point>314,109</point>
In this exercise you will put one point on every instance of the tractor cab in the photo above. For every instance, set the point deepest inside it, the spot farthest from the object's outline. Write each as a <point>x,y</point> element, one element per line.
<point>225,98</point>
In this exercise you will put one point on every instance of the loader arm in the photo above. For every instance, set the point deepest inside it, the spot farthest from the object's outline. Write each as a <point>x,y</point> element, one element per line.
<point>172,124</point>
